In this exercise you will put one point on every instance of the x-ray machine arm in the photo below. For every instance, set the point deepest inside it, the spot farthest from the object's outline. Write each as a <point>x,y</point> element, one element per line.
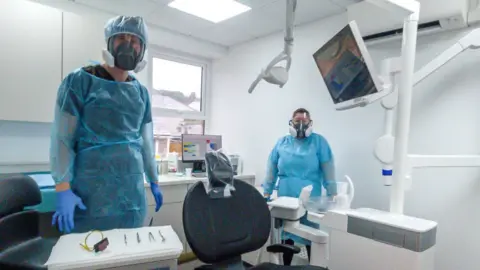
<point>384,149</point>
<point>274,74</point>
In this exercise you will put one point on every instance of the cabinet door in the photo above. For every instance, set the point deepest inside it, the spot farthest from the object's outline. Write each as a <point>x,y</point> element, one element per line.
<point>30,72</point>
<point>169,214</point>
<point>83,41</point>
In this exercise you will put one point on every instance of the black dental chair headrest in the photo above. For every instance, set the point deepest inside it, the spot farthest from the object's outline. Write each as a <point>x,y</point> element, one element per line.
<point>219,230</point>
<point>17,192</point>
<point>220,175</point>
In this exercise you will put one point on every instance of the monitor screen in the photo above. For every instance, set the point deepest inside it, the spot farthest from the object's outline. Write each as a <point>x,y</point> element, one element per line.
<point>195,146</point>
<point>343,67</point>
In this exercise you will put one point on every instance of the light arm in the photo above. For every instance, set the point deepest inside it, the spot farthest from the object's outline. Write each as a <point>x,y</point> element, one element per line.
<point>274,74</point>
<point>291,8</point>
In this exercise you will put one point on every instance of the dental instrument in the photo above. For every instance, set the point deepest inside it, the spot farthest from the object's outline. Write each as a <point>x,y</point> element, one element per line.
<point>150,237</point>
<point>161,235</point>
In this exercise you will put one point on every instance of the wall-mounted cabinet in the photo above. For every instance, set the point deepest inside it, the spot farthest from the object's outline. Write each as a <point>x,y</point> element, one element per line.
<point>40,46</point>
<point>83,41</point>
<point>31,55</point>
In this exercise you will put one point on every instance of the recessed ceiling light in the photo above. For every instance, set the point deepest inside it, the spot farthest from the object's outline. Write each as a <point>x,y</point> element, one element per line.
<point>211,10</point>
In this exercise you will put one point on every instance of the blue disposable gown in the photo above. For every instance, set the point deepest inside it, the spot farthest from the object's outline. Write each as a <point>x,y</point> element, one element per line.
<point>298,163</point>
<point>102,143</point>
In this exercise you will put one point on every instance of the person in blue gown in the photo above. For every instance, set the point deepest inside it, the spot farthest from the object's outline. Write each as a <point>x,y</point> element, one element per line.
<point>102,144</point>
<point>298,160</point>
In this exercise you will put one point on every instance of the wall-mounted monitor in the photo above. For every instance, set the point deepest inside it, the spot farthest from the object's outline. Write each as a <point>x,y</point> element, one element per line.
<point>348,70</point>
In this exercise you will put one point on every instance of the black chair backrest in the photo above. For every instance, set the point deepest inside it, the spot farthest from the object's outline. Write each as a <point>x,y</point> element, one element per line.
<point>17,192</point>
<point>221,229</point>
<point>16,225</point>
<point>220,174</point>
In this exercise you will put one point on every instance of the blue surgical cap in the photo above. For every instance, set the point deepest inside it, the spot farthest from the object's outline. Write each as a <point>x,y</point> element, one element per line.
<point>127,25</point>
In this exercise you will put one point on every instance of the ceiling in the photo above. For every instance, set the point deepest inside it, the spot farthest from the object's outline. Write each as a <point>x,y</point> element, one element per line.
<point>265,17</point>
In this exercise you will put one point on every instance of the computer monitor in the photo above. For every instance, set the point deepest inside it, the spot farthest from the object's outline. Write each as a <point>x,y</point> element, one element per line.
<point>195,146</point>
<point>348,70</point>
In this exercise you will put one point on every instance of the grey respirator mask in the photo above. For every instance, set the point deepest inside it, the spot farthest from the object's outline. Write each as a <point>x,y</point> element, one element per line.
<point>301,129</point>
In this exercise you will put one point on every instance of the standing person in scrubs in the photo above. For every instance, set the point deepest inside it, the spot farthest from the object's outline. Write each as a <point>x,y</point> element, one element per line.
<point>102,138</point>
<point>298,160</point>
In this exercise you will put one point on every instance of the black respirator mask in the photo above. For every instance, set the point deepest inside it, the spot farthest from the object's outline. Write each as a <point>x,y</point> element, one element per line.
<point>301,129</point>
<point>125,56</point>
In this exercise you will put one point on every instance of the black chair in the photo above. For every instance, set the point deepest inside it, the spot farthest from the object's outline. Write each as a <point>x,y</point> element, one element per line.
<point>21,246</point>
<point>220,230</point>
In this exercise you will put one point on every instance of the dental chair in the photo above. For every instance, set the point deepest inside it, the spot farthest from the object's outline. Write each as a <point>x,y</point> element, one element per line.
<point>223,219</point>
<point>21,246</point>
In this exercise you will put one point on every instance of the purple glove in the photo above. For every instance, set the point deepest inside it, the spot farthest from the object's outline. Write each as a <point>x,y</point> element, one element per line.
<point>67,201</point>
<point>157,194</point>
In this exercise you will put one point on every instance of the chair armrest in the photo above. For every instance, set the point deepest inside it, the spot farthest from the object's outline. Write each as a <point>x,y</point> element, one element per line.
<point>283,248</point>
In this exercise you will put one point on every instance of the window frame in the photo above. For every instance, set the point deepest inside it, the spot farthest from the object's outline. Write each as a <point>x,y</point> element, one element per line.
<point>184,59</point>
<point>177,135</point>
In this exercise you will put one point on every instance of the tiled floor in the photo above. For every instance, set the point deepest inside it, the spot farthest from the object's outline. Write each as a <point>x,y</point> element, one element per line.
<point>190,265</point>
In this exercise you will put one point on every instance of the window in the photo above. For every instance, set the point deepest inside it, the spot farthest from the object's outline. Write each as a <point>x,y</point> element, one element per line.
<point>177,89</point>
<point>177,86</point>
<point>170,126</point>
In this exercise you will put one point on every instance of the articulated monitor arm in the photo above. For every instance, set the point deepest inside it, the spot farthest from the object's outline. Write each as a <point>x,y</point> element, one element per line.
<point>469,41</point>
<point>274,74</point>
<point>385,145</point>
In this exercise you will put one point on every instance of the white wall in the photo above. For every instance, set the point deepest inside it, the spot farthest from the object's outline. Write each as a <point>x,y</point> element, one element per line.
<point>445,120</point>
<point>25,142</point>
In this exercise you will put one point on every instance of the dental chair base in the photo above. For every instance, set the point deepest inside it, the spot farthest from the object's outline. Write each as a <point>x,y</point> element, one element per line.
<point>286,213</point>
<point>377,240</point>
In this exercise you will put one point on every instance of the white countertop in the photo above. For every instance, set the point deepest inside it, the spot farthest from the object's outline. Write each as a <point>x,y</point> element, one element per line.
<point>173,179</point>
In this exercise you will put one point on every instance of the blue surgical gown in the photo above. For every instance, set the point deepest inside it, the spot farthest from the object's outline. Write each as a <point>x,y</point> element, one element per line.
<point>298,163</point>
<point>102,143</point>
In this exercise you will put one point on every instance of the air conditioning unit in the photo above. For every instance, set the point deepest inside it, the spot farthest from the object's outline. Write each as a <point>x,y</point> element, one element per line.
<point>435,16</point>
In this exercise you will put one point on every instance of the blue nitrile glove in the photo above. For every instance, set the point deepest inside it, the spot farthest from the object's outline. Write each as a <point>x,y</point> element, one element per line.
<point>157,194</point>
<point>67,201</point>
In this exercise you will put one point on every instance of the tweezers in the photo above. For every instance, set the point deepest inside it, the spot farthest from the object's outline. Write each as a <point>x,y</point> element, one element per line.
<point>161,235</point>
<point>150,237</point>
